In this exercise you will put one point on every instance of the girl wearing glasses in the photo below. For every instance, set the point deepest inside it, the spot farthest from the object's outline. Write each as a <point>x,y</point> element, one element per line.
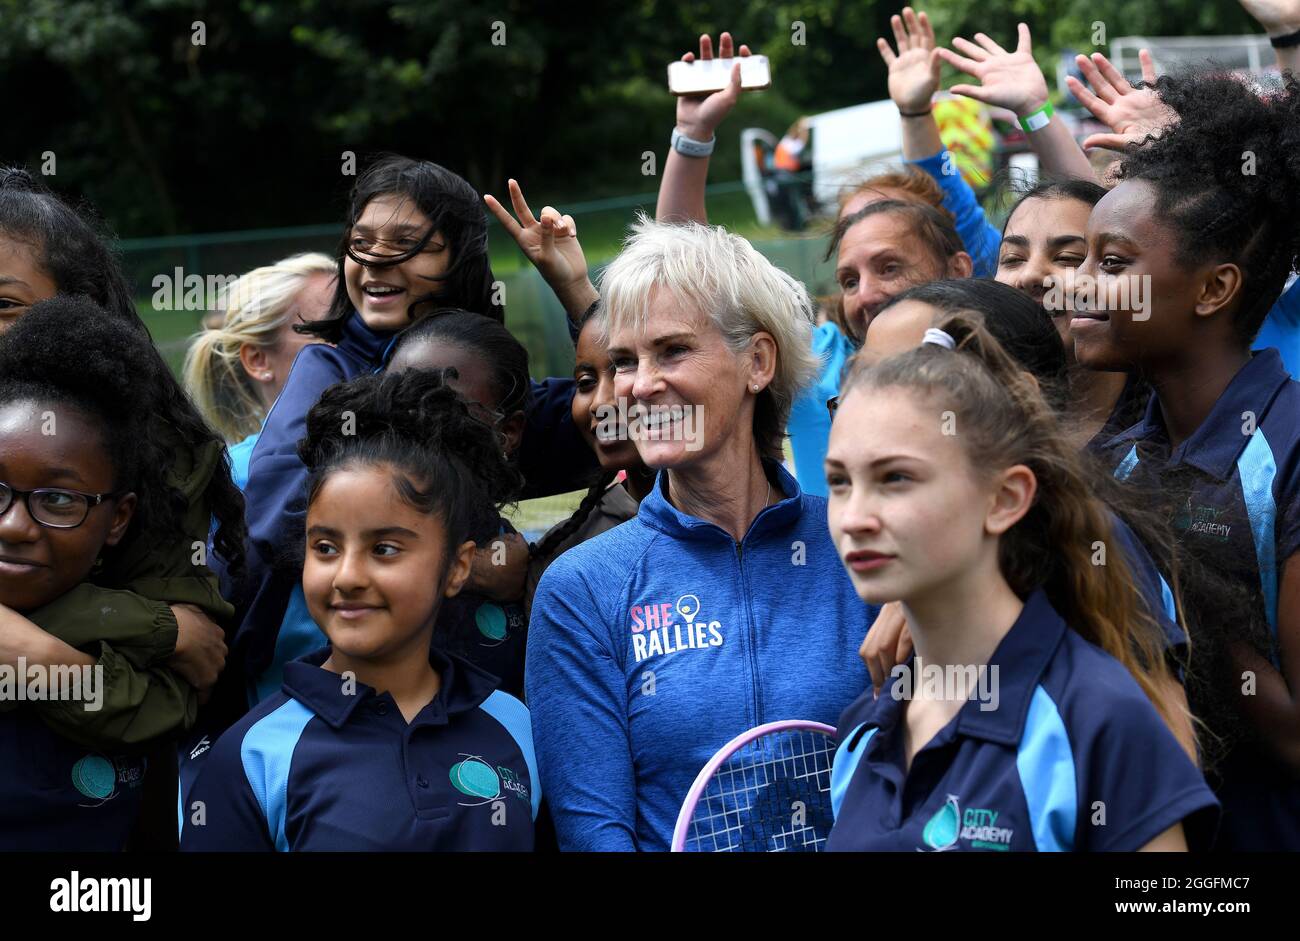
<point>78,472</point>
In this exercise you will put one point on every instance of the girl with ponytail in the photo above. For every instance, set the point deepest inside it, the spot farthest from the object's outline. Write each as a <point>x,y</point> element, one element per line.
<point>1038,672</point>
<point>235,370</point>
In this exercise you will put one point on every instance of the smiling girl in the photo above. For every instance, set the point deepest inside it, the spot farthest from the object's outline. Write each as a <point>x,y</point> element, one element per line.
<point>415,238</point>
<point>1218,449</point>
<point>78,479</point>
<point>381,741</point>
<point>610,500</point>
<point>1043,244</point>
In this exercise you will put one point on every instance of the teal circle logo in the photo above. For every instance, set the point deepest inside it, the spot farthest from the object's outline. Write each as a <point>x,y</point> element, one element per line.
<point>941,832</point>
<point>94,776</point>
<point>491,621</point>
<point>476,778</point>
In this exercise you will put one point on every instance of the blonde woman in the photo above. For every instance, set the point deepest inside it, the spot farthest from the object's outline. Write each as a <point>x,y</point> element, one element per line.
<point>722,604</point>
<point>235,370</point>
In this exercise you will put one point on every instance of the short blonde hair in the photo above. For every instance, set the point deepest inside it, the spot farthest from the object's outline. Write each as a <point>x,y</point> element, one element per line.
<point>724,277</point>
<point>257,306</point>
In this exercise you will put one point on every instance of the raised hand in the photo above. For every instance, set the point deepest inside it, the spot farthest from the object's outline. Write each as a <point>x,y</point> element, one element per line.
<point>1010,80</point>
<point>1278,17</point>
<point>550,242</point>
<point>914,68</point>
<point>699,116</point>
<point>1131,113</point>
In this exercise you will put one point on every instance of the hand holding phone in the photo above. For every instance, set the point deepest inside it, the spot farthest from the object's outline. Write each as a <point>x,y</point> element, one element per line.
<point>706,76</point>
<point>699,113</point>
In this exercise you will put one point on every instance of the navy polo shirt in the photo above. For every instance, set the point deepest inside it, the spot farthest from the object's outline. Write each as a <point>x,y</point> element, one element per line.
<point>1073,757</point>
<point>1234,490</point>
<point>58,795</point>
<point>316,767</point>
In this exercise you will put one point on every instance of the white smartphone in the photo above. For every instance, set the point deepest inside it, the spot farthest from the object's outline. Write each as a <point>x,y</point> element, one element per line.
<point>705,76</point>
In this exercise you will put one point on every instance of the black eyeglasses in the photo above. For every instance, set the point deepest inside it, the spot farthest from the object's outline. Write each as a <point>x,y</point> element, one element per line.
<point>53,507</point>
<point>833,405</point>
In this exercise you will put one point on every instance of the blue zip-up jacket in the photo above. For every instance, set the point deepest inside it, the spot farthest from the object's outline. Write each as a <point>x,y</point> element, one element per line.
<point>321,766</point>
<point>656,642</point>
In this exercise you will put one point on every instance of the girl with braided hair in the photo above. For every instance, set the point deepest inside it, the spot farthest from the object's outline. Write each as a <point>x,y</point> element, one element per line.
<point>623,479</point>
<point>1202,227</point>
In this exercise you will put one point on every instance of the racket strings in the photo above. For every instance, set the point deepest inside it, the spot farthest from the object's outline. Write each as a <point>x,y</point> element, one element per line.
<point>772,795</point>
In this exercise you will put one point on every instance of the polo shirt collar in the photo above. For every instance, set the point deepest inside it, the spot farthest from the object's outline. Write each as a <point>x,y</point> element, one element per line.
<point>1252,389</point>
<point>657,512</point>
<point>464,687</point>
<point>1021,659</point>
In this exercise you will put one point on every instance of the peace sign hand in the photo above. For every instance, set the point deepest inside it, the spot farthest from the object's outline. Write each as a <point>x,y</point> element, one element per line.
<point>550,243</point>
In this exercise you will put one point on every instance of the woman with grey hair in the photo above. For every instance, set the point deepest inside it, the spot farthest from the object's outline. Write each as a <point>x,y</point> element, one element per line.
<point>722,605</point>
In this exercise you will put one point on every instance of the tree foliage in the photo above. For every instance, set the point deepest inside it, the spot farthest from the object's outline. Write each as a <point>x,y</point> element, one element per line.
<point>247,128</point>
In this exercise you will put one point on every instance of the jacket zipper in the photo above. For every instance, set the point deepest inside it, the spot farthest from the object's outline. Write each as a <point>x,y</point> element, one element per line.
<point>749,627</point>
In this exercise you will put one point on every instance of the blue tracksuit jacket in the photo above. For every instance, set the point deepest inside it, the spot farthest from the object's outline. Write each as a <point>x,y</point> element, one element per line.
<point>653,644</point>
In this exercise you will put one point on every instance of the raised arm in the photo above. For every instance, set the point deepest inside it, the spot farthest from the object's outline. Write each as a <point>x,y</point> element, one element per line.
<point>681,190</point>
<point>913,80</point>
<point>1279,18</point>
<point>551,244</point>
<point>1013,80</point>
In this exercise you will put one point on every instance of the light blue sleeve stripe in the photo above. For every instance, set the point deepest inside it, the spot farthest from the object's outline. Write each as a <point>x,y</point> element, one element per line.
<point>844,766</point>
<point>297,637</point>
<point>1257,471</point>
<point>267,753</point>
<point>1045,762</point>
<point>513,715</point>
<point>1167,597</point>
<point>1126,466</point>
